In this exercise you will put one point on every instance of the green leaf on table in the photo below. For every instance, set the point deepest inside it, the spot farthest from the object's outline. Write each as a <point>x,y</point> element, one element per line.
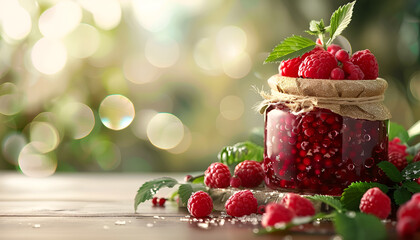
<point>412,171</point>
<point>150,188</point>
<point>391,171</point>
<point>352,194</point>
<point>340,19</point>
<point>413,150</point>
<point>412,186</point>
<point>396,130</point>
<point>360,226</point>
<point>291,47</point>
<point>401,195</point>
<point>329,200</point>
<point>185,191</point>
<point>232,155</point>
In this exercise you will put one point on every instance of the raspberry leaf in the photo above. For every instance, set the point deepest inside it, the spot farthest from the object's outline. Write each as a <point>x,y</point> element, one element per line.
<point>233,155</point>
<point>329,200</point>
<point>396,130</point>
<point>391,171</point>
<point>199,179</point>
<point>412,171</point>
<point>291,47</point>
<point>340,19</point>
<point>352,194</point>
<point>150,188</point>
<point>413,187</point>
<point>186,190</point>
<point>401,195</point>
<point>357,225</point>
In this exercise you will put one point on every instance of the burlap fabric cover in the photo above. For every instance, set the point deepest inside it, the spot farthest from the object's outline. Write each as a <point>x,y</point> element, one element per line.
<point>359,99</point>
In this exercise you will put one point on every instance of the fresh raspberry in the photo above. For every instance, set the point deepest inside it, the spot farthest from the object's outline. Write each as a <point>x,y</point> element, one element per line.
<point>375,202</point>
<point>241,203</point>
<point>395,145</point>
<point>318,65</point>
<point>410,209</point>
<point>415,197</point>
<point>275,214</point>
<point>367,62</point>
<point>154,201</point>
<point>398,159</point>
<point>200,204</point>
<point>162,202</point>
<point>290,68</point>
<point>418,180</point>
<point>342,55</point>
<point>406,227</point>
<point>337,74</point>
<point>353,71</point>
<point>316,49</point>
<point>187,178</point>
<point>235,182</point>
<point>250,173</point>
<point>300,206</point>
<point>217,175</point>
<point>333,49</point>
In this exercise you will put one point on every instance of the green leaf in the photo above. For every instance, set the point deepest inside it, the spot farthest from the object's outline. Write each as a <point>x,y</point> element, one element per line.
<point>359,226</point>
<point>401,195</point>
<point>412,171</point>
<point>185,191</point>
<point>329,200</point>
<point>352,194</point>
<point>413,187</point>
<point>291,47</point>
<point>232,155</point>
<point>340,19</point>
<point>396,130</point>
<point>150,188</point>
<point>391,171</point>
<point>199,179</point>
<point>413,150</point>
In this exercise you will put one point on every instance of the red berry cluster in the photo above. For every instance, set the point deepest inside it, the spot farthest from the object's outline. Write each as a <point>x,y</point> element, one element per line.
<point>158,201</point>
<point>375,202</point>
<point>335,63</point>
<point>408,221</point>
<point>290,206</point>
<point>397,154</point>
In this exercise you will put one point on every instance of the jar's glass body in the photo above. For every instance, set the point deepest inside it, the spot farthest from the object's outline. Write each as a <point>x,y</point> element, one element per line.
<point>320,151</point>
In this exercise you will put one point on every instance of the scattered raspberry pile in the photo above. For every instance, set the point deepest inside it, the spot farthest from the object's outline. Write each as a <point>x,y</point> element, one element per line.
<point>241,203</point>
<point>250,173</point>
<point>375,202</point>
<point>291,205</point>
<point>333,63</point>
<point>200,204</point>
<point>408,217</point>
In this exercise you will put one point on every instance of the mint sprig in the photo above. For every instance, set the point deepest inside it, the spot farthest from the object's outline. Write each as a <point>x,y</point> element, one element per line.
<point>339,21</point>
<point>150,188</point>
<point>291,47</point>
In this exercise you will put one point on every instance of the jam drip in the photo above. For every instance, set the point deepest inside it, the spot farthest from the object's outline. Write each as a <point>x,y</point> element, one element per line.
<point>320,151</point>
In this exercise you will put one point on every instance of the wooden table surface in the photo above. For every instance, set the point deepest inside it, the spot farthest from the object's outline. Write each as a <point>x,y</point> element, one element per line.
<point>100,206</point>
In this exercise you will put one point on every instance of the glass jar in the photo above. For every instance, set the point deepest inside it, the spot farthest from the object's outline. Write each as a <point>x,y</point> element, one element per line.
<point>320,151</point>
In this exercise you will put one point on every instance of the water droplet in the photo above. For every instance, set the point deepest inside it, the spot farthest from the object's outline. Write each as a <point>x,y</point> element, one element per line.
<point>119,222</point>
<point>149,225</point>
<point>36,225</point>
<point>116,112</point>
<point>366,137</point>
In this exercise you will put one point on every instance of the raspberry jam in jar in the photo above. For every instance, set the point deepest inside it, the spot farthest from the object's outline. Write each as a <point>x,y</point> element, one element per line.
<point>320,151</point>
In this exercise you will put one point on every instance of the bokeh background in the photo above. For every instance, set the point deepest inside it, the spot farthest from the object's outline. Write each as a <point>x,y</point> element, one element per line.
<point>163,85</point>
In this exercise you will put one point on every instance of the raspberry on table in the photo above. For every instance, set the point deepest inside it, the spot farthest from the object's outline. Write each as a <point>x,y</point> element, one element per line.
<point>217,175</point>
<point>375,202</point>
<point>342,55</point>
<point>395,145</point>
<point>235,182</point>
<point>333,49</point>
<point>200,204</point>
<point>250,173</point>
<point>318,65</point>
<point>398,159</point>
<point>406,227</point>
<point>154,201</point>
<point>241,203</point>
<point>367,63</point>
<point>337,74</point>
<point>290,68</point>
<point>162,202</point>
<point>410,209</point>
<point>300,206</point>
<point>276,214</point>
